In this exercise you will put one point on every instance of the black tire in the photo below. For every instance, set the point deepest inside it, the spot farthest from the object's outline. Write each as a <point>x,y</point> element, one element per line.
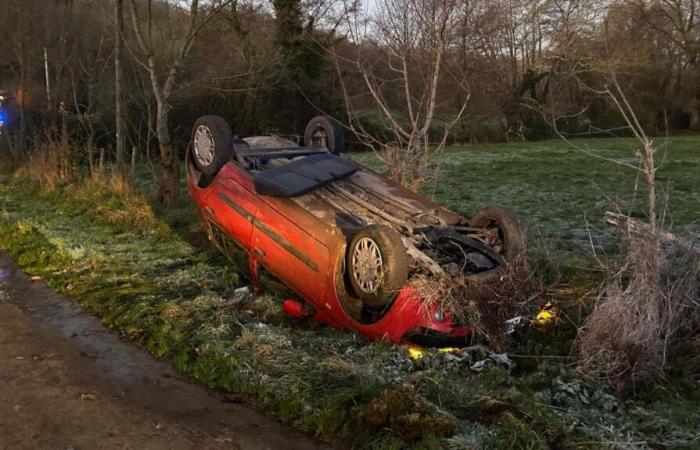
<point>325,131</point>
<point>512,235</point>
<point>212,144</point>
<point>392,272</point>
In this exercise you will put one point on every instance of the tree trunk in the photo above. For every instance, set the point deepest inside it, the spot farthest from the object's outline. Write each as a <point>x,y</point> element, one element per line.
<point>169,188</point>
<point>149,127</point>
<point>170,182</point>
<point>119,81</point>
<point>22,113</point>
<point>91,159</point>
<point>22,130</point>
<point>67,157</point>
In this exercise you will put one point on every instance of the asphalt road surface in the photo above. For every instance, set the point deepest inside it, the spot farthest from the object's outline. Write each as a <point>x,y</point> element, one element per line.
<point>67,382</point>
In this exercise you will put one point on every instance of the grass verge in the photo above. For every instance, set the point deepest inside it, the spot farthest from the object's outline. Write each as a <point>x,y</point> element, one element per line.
<point>179,302</point>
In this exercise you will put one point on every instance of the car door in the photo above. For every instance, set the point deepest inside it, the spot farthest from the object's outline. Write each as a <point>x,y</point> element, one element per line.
<point>287,249</point>
<point>231,208</point>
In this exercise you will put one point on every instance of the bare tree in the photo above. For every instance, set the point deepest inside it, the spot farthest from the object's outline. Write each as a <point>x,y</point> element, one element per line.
<point>165,55</point>
<point>86,72</point>
<point>412,39</point>
<point>119,80</point>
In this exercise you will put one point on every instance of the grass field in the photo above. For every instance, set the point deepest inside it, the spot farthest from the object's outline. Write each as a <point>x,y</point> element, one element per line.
<point>159,286</point>
<point>556,189</point>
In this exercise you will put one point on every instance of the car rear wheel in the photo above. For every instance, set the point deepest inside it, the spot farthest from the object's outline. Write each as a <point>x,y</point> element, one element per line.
<point>377,265</point>
<point>505,235</point>
<point>325,132</point>
<point>212,144</point>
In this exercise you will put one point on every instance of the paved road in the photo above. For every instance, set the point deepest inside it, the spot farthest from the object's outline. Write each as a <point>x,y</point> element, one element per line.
<point>68,382</point>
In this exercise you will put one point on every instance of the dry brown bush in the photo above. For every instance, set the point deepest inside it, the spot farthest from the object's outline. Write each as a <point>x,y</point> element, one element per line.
<point>108,192</point>
<point>482,305</point>
<point>115,200</point>
<point>642,313</point>
<point>51,165</point>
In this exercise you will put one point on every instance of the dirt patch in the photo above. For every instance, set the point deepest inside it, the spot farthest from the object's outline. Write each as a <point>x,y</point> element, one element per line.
<point>66,381</point>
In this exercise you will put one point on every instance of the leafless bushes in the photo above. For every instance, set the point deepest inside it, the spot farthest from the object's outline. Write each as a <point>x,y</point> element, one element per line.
<point>403,68</point>
<point>497,302</point>
<point>652,302</point>
<point>105,190</point>
<point>642,313</point>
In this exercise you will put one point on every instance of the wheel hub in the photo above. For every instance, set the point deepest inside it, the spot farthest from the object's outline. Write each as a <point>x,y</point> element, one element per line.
<point>367,265</point>
<point>204,145</point>
<point>320,137</point>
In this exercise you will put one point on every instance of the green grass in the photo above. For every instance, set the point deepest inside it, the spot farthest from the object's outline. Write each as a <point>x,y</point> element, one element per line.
<point>557,190</point>
<point>177,300</point>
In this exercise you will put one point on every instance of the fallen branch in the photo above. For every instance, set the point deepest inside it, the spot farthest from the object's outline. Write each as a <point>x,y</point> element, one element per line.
<point>634,226</point>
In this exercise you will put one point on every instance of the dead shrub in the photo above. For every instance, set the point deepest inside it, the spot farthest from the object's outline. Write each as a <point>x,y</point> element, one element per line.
<point>482,305</point>
<point>448,294</point>
<point>642,313</point>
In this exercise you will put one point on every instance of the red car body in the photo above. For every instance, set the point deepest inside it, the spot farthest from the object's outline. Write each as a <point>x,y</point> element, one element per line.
<point>307,254</point>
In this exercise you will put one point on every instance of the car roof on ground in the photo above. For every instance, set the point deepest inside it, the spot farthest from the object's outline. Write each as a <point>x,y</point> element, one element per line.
<point>269,142</point>
<point>303,175</point>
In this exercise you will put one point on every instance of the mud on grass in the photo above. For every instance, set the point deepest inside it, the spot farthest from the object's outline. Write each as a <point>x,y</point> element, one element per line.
<point>179,302</point>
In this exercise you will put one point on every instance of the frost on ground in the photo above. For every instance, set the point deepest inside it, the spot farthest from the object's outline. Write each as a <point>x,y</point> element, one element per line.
<point>181,302</point>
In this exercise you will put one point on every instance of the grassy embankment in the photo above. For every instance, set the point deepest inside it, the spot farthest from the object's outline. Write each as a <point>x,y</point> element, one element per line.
<point>140,273</point>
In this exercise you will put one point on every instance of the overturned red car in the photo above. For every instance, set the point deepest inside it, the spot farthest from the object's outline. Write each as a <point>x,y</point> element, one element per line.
<point>348,242</point>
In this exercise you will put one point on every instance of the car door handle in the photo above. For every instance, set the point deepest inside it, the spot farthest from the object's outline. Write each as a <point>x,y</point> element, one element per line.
<point>259,252</point>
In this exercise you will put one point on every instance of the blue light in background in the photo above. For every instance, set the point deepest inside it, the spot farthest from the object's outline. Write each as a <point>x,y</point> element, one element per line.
<point>3,116</point>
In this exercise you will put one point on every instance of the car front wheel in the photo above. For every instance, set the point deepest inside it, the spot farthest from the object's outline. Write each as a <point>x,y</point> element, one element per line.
<point>377,265</point>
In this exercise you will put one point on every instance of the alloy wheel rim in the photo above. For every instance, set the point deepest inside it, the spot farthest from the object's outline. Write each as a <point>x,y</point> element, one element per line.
<point>367,265</point>
<point>204,145</point>
<point>320,137</point>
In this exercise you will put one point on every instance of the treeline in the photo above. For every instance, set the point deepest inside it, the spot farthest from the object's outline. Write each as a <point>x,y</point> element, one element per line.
<point>504,70</point>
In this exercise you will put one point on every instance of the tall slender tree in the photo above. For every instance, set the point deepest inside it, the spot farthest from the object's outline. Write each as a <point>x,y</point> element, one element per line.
<point>164,66</point>
<point>119,79</point>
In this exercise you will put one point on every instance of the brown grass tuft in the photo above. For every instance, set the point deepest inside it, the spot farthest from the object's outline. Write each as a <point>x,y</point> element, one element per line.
<point>115,200</point>
<point>51,165</point>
